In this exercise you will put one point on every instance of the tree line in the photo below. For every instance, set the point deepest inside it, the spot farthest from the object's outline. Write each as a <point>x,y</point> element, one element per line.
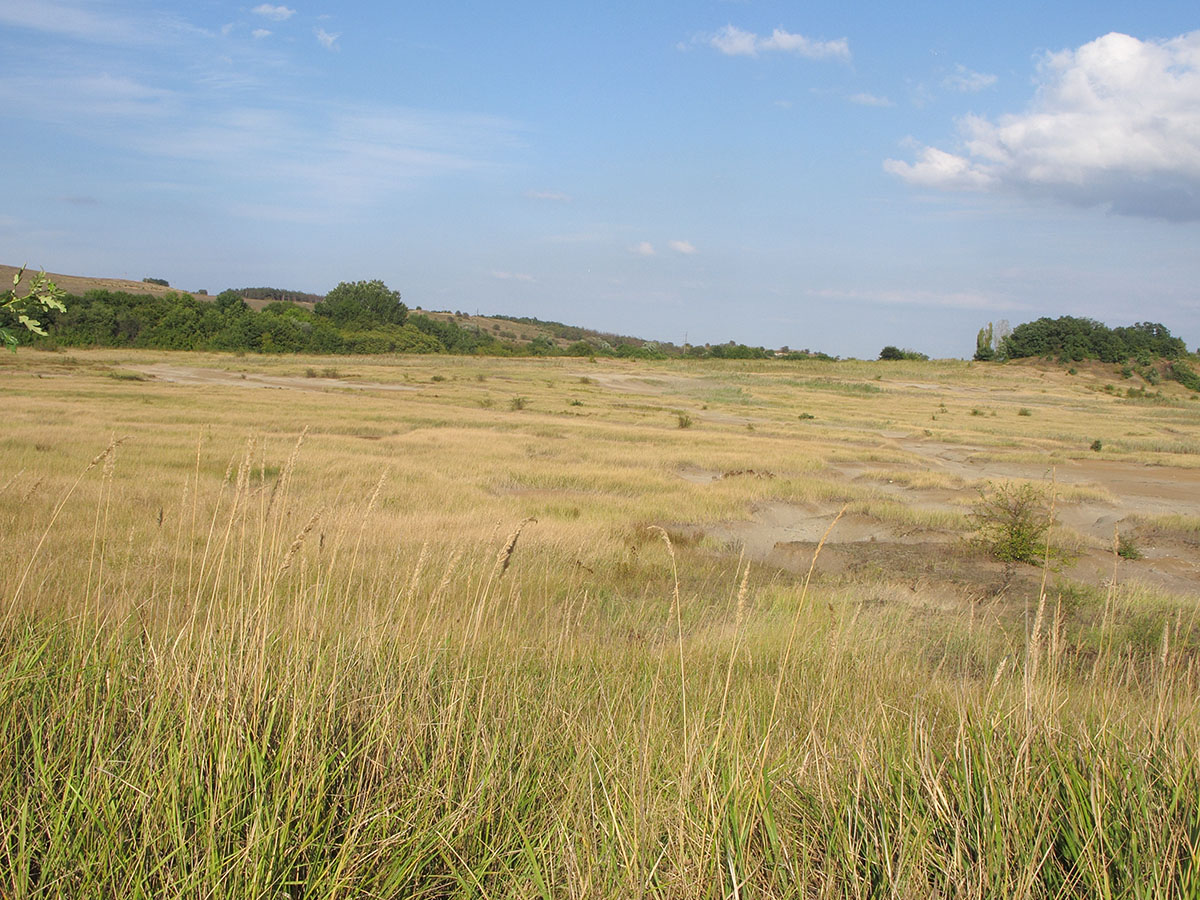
<point>1075,339</point>
<point>355,317</point>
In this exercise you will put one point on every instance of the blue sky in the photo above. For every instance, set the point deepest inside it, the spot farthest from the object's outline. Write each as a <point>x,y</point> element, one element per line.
<point>837,177</point>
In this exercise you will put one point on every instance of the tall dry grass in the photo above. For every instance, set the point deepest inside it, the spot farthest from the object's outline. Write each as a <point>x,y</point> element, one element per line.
<point>335,663</point>
<point>243,696</point>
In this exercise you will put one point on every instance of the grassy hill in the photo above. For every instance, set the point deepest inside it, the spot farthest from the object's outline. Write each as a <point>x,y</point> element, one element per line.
<point>504,328</point>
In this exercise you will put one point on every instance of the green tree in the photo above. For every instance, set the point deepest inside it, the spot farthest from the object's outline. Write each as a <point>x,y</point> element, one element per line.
<point>984,350</point>
<point>41,296</point>
<point>362,305</point>
<point>891,352</point>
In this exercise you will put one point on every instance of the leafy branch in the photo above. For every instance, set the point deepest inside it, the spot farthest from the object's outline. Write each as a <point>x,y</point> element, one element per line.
<point>42,295</point>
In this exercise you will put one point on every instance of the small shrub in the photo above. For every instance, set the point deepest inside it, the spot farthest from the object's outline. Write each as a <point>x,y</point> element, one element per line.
<point>977,412</point>
<point>684,420</point>
<point>517,403</point>
<point>310,372</point>
<point>576,403</point>
<point>806,416</point>
<point>330,372</point>
<point>1127,548</point>
<point>1072,371</point>
<point>1011,522</point>
<point>437,378</point>
<point>1024,411</point>
<point>1097,445</point>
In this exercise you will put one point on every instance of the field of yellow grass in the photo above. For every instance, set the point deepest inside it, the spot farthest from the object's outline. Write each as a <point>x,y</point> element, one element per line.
<point>459,627</point>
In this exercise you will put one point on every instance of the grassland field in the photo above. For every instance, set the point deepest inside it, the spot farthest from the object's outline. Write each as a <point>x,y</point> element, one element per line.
<point>467,627</point>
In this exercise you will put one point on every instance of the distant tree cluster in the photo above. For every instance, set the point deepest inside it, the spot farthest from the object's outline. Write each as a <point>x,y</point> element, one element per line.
<point>890,352</point>
<point>364,317</point>
<point>730,350</point>
<point>354,317</point>
<point>161,282</point>
<point>1076,339</point>
<point>267,293</point>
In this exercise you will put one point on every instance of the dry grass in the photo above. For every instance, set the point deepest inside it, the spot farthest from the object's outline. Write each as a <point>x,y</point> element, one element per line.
<point>239,660</point>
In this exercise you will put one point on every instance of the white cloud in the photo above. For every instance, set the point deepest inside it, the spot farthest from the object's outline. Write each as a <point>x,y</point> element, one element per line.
<point>937,168</point>
<point>870,100</point>
<point>512,276</point>
<point>964,80</point>
<point>1115,123</point>
<point>684,247</point>
<point>260,33</point>
<point>555,196</point>
<point>329,41</point>
<point>734,41</point>
<point>807,47</point>
<point>645,248</point>
<point>274,13</point>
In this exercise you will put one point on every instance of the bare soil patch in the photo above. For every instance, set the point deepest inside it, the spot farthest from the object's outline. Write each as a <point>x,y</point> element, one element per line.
<point>198,375</point>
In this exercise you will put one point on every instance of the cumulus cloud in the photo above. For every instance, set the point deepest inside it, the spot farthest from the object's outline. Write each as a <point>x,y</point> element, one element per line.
<point>274,13</point>
<point>328,41</point>
<point>645,248</point>
<point>964,80</point>
<point>870,100</point>
<point>261,33</point>
<point>1114,123</point>
<point>684,247</point>
<point>734,41</point>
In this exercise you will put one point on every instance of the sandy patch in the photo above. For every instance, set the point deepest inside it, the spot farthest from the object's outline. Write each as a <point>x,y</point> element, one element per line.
<point>197,375</point>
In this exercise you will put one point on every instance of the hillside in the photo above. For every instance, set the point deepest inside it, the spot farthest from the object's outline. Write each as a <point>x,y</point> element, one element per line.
<point>503,328</point>
<point>80,284</point>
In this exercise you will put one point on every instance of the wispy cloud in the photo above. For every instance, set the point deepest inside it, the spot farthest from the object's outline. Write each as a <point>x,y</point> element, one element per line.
<point>274,13</point>
<point>332,155</point>
<point>734,41</point>
<point>71,20</point>
<point>259,33</point>
<point>511,276</point>
<point>553,196</point>
<point>938,299</point>
<point>644,248</point>
<point>684,247</point>
<point>966,81</point>
<point>328,40</point>
<point>1115,123</point>
<point>869,100</point>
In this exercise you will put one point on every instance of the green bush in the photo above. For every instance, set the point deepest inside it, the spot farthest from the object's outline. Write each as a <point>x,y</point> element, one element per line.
<point>1012,521</point>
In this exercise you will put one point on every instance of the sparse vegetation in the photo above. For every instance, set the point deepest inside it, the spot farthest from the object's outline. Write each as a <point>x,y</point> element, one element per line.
<point>1012,520</point>
<point>427,648</point>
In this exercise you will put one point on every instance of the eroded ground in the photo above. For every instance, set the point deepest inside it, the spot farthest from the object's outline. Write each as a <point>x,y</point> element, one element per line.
<point>739,458</point>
